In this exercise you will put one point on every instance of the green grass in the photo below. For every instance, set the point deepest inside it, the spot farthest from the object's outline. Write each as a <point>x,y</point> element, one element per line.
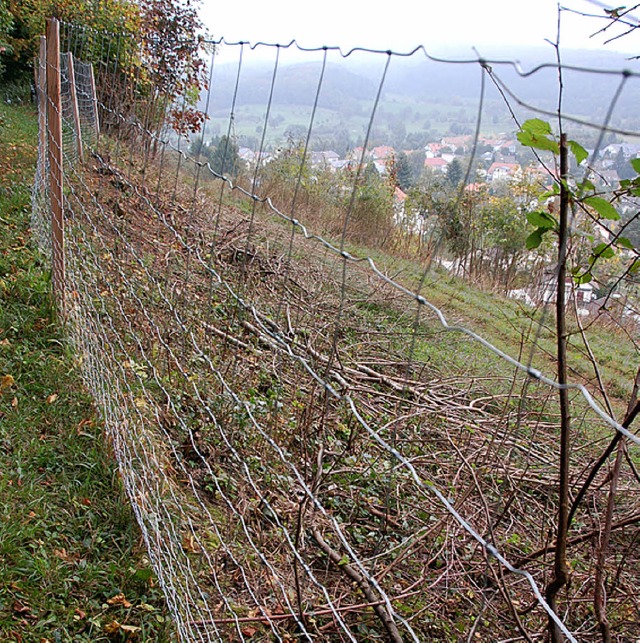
<point>68,540</point>
<point>514,328</point>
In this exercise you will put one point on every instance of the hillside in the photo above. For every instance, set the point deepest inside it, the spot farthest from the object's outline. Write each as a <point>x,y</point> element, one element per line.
<point>420,96</point>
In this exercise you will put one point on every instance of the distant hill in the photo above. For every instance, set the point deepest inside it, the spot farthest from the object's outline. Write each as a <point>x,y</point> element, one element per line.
<point>426,97</point>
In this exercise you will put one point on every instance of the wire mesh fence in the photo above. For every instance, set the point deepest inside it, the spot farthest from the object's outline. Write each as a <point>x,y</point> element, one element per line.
<point>316,443</point>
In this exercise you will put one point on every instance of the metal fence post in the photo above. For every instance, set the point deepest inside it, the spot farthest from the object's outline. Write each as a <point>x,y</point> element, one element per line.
<point>73,97</point>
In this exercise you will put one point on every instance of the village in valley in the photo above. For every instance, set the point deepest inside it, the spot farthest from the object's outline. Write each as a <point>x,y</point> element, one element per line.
<point>500,162</point>
<point>501,167</point>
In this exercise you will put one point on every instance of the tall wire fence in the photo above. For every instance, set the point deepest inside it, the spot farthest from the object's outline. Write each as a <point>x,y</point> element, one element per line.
<point>315,448</point>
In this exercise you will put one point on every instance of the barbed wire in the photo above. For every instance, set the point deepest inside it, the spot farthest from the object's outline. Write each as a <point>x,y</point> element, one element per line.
<point>118,305</point>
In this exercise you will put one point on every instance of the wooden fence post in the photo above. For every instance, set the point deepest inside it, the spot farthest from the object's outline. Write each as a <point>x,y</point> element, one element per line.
<point>54,130</point>
<point>75,111</point>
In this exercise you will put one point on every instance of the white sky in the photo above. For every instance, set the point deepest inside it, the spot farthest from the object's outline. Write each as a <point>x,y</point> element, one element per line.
<point>403,24</point>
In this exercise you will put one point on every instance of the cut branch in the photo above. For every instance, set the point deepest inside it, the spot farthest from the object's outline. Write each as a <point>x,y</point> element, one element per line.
<point>378,607</point>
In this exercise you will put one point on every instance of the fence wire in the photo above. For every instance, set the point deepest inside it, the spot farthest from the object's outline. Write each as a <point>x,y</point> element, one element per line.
<point>312,448</point>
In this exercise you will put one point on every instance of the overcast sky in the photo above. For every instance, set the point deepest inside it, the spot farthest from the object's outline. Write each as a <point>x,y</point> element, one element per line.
<point>403,24</point>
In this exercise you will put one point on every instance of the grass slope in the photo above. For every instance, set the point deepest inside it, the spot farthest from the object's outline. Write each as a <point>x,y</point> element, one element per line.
<point>71,563</point>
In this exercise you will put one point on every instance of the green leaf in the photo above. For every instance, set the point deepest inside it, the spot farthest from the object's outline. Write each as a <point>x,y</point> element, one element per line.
<point>603,208</point>
<point>534,239</point>
<point>584,278</point>
<point>538,142</point>
<point>536,126</point>
<point>554,191</point>
<point>623,242</point>
<point>344,560</point>
<point>578,151</point>
<point>541,219</point>
<point>587,185</point>
<point>143,574</point>
<point>635,163</point>
<point>603,250</point>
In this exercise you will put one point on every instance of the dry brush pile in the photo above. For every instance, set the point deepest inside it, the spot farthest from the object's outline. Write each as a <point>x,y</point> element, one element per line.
<point>283,419</point>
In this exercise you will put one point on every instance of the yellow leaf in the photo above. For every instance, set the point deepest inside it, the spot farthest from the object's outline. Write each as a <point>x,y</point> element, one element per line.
<point>52,398</point>
<point>140,402</point>
<point>119,599</point>
<point>189,543</point>
<point>112,628</point>
<point>6,381</point>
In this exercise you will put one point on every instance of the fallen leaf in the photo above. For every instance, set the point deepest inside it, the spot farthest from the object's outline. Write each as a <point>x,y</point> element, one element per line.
<point>6,381</point>
<point>80,614</point>
<point>19,608</point>
<point>14,403</point>
<point>112,628</point>
<point>82,424</point>
<point>64,555</point>
<point>249,631</point>
<point>52,398</point>
<point>131,629</point>
<point>119,599</point>
<point>5,342</point>
<point>190,544</point>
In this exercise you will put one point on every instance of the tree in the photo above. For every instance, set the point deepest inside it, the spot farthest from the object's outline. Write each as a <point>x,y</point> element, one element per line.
<point>6,23</point>
<point>197,146</point>
<point>27,24</point>
<point>454,173</point>
<point>404,174</point>
<point>154,57</point>
<point>622,166</point>
<point>224,157</point>
<point>398,132</point>
<point>372,214</point>
<point>416,161</point>
<point>505,230</point>
<point>580,199</point>
<point>172,47</point>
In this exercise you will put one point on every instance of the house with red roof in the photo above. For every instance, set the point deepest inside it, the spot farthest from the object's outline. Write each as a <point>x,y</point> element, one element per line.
<point>436,164</point>
<point>382,153</point>
<point>433,149</point>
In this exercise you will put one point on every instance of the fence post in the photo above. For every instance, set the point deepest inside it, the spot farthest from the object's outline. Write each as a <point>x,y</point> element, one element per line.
<point>94,100</point>
<point>73,95</point>
<point>41,85</point>
<point>54,131</point>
